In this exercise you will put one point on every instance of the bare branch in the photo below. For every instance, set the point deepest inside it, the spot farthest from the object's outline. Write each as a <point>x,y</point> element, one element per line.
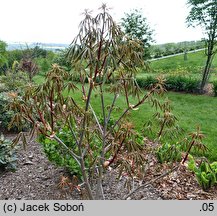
<point>75,156</point>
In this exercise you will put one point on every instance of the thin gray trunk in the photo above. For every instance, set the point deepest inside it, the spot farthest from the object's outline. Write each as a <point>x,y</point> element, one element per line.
<point>206,72</point>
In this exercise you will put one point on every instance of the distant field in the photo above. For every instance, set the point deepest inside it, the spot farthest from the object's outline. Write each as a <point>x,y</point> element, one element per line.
<point>192,67</point>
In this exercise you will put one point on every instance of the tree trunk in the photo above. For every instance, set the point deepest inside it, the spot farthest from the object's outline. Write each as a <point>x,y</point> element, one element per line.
<point>206,72</point>
<point>210,54</point>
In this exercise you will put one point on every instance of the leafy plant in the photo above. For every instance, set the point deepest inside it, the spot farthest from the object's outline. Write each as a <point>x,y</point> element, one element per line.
<point>147,82</point>
<point>182,83</point>
<point>205,176</point>
<point>8,115</point>
<point>168,153</point>
<point>29,66</point>
<point>3,57</point>
<point>7,154</point>
<point>59,154</point>
<point>172,82</point>
<point>164,122</point>
<point>5,114</point>
<point>13,81</point>
<point>213,166</point>
<point>205,172</point>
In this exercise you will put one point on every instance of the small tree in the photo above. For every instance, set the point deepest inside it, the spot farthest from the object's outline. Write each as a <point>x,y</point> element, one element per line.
<point>28,63</point>
<point>100,54</point>
<point>136,27</point>
<point>204,14</point>
<point>29,66</point>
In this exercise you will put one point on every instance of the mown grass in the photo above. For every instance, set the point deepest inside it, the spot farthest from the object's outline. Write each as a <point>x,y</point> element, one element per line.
<point>191,111</point>
<point>197,110</point>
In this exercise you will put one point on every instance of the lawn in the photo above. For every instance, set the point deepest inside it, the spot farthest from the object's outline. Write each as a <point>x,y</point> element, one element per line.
<point>197,110</point>
<point>191,111</point>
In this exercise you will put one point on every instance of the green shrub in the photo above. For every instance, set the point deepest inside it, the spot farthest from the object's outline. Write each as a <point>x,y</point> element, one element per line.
<point>13,81</point>
<point>214,88</point>
<point>175,83</point>
<point>192,85</point>
<point>5,114</point>
<point>7,154</point>
<point>182,83</point>
<point>147,82</point>
<point>58,154</point>
<point>172,83</point>
<point>168,153</point>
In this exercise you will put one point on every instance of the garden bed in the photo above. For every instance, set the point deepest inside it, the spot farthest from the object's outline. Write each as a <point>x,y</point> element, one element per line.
<point>37,179</point>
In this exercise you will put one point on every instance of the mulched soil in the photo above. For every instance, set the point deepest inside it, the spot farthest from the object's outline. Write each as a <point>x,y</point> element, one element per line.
<point>209,89</point>
<point>38,179</point>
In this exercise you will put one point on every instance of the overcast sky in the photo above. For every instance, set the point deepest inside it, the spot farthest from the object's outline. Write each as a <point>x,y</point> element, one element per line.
<point>57,21</point>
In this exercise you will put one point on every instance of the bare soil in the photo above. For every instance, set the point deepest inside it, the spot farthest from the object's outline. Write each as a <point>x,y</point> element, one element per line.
<point>38,179</point>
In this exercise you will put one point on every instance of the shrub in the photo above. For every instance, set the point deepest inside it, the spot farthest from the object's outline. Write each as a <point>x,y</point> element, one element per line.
<point>147,82</point>
<point>174,83</point>
<point>5,114</point>
<point>182,83</point>
<point>93,146</point>
<point>44,65</point>
<point>11,84</point>
<point>29,66</point>
<point>13,81</point>
<point>192,85</point>
<point>7,154</point>
<point>58,154</point>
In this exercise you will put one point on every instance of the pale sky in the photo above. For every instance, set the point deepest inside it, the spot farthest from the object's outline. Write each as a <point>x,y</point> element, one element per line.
<point>57,21</point>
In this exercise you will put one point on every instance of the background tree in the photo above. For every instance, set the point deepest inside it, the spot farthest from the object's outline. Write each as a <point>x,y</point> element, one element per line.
<point>28,62</point>
<point>204,13</point>
<point>136,27</point>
